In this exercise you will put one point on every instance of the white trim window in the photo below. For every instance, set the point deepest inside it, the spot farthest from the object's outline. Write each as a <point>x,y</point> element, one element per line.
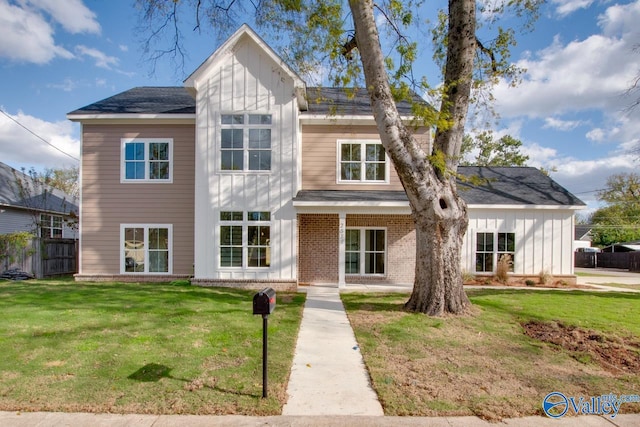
<point>245,241</point>
<point>146,248</point>
<point>51,226</point>
<point>490,247</point>
<point>147,160</point>
<point>245,142</point>
<point>365,251</point>
<point>362,161</point>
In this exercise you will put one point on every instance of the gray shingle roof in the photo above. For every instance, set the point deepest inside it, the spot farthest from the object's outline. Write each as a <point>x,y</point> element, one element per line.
<point>144,100</point>
<point>342,101</point>
<point>499,186</point>
<point>53,201</point>
<point>176,100</point>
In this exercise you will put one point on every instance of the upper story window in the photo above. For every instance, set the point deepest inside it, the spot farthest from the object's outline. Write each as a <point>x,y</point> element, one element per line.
<point>245,142</point>
<point>147,160</point>
<point>362,162</point>
<point>50,226</point>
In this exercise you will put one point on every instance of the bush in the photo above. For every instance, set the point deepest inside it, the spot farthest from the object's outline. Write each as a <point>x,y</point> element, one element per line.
<point>503,268</point>
<point>529,282</point>
<point>544,277</point>
<point>467,276</point>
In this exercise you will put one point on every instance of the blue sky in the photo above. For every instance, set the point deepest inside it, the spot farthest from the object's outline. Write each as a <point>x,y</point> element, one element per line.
<point>569,110</point>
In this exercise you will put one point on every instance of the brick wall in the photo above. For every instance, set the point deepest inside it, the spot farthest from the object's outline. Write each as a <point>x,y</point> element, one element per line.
<point>401,247</point>
<point>318,248</point>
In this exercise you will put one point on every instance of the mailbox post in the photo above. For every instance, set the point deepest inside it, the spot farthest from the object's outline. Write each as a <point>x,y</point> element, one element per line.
<point>264,302</point>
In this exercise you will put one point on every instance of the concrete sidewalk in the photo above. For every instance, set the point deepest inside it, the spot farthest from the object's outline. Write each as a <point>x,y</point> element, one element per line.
<point>328,376</point>
<point>59,419</point>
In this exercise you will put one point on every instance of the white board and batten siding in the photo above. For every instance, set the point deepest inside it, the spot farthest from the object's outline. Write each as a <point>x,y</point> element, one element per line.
<point>543,237</point>
<point>243,79</point>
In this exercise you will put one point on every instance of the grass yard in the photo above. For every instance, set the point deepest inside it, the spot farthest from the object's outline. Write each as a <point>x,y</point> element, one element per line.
<point>141,348</point>
<point>484,364</point>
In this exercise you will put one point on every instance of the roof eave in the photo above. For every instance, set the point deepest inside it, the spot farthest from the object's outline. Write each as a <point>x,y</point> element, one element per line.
<point>523,206</point>
<point>321,119</point>
<point>130,116</point>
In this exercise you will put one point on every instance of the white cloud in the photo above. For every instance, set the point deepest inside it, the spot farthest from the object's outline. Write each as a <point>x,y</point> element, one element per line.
<point>589,75</point>
<point>102,60</point>
<point>67,85</point>
<point>25,36</point>
<point>73,15</point>
<point>19,147</point>
<point>566,7</point>
<point>596,135</point>
<point>27,28</point>
<point>584,177</point>
<point>563,125</point>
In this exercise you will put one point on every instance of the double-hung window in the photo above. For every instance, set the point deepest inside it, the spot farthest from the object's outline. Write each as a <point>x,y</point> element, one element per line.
<point>50,226</point>
<point>490,247</point>
<point>146,248</point>
<point>245,142</point>
<point>365,251</point>
<point>362,162</point>
<point>245,241</point>
<point>147,160</point>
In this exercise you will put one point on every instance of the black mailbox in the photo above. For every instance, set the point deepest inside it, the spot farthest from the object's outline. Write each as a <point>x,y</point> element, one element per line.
<point>264,301</point>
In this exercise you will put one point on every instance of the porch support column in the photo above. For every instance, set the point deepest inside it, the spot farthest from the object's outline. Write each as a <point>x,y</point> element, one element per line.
<point>342,238</point>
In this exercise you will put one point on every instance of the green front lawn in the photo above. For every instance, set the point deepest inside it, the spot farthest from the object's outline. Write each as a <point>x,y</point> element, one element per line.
<point>484,364</point>
<point>141,348</point>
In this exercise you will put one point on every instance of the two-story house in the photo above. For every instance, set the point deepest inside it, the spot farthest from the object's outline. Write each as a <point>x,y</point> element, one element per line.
<point>247,177</point>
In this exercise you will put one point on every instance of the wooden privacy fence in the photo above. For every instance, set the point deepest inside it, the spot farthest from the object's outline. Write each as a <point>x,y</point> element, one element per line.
<point>47,258</point>
<point>622,260</point>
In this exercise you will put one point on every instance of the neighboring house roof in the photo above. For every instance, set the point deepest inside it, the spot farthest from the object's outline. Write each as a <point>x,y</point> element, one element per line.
<point>499,186</point>
<point>177,100</point>
<point>53,201</point>
<point>583,232</point>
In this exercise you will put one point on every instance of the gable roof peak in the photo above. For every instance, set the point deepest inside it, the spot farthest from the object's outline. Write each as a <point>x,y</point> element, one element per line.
<point>243,32</point>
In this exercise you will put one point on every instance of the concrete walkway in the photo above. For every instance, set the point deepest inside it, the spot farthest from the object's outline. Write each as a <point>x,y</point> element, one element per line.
<point>328,376</point>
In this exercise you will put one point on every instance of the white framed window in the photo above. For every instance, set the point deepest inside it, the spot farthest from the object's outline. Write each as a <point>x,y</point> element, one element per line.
<point>365,251</point>
<point>146,248</point>
<point>245,239</point>
<point>490,247</point>
<point>147,160</point>
<point>245,142</point>
<point>51,226</point>
<point>362,161</point>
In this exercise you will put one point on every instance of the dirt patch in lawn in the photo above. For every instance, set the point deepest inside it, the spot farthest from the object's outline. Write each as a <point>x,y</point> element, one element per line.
<point>616,355</point>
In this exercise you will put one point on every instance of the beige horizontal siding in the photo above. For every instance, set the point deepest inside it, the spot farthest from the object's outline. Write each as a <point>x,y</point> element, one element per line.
<point>319,156</point>
<point>107,203</point>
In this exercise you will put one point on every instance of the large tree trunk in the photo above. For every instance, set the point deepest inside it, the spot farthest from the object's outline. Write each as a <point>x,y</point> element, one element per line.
<point>440,215</point>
